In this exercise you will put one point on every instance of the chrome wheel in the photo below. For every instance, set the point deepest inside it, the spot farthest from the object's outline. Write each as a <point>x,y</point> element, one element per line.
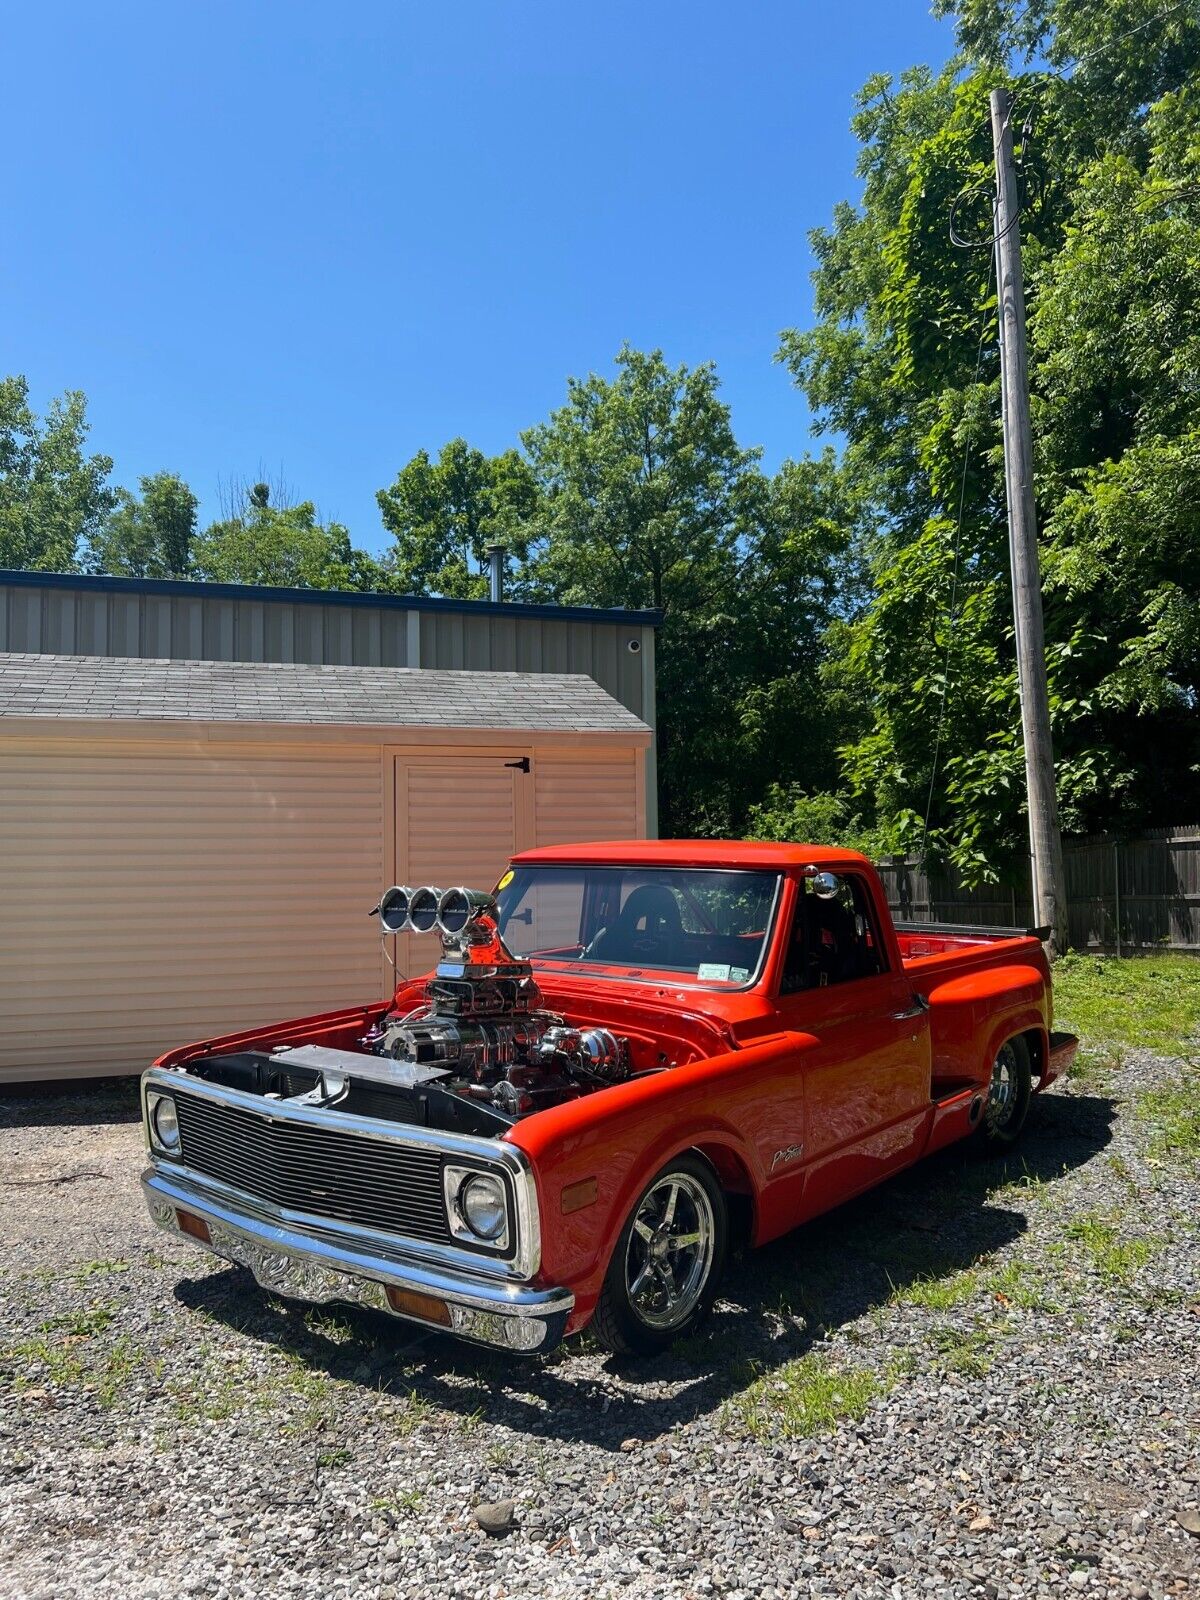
<point>1004,1095</point>
<point>670,1250</point>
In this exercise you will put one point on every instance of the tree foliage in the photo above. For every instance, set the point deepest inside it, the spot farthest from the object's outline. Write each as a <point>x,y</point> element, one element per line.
<point>149,537</point>
<point>52,494</point>
<point>902,362</point>
<point>443,515</point>
<point>648,500</point>
<point>286,546</point>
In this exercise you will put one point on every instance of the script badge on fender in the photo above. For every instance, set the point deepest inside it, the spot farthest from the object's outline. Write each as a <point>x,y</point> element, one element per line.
<point>789,1153</point>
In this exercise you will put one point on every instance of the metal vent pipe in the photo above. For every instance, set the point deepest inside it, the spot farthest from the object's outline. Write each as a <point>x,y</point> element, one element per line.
<point>496,555</point>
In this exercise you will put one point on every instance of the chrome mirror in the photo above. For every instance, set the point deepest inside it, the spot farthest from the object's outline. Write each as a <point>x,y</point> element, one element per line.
<point>825,885</point>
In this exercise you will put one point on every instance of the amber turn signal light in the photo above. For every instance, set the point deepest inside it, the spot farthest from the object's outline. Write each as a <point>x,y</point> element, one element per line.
<point>196,1226</point>
<point>577,1196</point>
<point>411,1303</point>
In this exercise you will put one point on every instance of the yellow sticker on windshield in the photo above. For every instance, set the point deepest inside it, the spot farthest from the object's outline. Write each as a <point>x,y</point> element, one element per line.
<point>504,882</point>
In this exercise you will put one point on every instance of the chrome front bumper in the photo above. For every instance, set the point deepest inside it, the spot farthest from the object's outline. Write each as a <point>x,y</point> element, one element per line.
<point>309,1266</point>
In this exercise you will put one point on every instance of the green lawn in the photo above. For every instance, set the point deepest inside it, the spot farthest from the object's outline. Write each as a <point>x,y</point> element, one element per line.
<point>1152,1001</point>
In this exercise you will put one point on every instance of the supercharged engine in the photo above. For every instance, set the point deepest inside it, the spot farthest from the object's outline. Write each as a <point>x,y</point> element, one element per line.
<point>481,1022</point>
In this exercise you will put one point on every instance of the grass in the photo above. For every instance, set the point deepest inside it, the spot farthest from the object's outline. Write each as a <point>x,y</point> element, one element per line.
<point>936,1294</point>
<point>1093,1069</point>
<point>969,1352</point>
<point>1152,1001</point>
<point>1019,1284</point>
<point>1114,1259</point>
<point>807,1396</point>
<point>1172,1114</point>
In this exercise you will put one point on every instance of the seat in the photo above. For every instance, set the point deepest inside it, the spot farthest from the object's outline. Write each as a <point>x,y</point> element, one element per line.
<point>648,927</point>
<point>833,944</point>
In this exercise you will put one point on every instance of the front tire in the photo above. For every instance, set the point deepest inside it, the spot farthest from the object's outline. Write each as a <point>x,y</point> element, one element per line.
<point>1009,1094</point>
<point>667,1264</point>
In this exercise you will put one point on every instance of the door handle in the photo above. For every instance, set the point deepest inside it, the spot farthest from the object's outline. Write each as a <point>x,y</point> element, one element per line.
<point>919,1006</point>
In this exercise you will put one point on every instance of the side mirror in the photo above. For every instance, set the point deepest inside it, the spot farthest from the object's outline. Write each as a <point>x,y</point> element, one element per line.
<point>825,885</point>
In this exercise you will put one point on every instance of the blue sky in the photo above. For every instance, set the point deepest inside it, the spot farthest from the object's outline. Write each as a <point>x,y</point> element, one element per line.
<point>310,239</point>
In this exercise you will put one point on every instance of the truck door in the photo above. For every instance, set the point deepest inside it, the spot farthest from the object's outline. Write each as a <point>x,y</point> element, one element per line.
<point>866,1074</point>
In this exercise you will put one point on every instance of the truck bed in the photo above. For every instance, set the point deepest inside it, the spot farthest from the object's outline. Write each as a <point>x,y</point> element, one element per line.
<point>919,941</point>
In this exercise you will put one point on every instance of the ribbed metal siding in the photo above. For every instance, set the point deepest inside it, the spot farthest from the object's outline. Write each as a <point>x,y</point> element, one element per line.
<point>207,627</point>
<point>156,893</point>
<point>322,1171</point>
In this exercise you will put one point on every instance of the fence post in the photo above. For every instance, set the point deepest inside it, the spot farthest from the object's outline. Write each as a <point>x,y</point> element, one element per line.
<point>1117,894</point>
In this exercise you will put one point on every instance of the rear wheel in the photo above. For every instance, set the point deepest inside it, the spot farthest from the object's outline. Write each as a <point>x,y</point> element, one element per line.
<point>664,1272</point>
<point>1009,1094</point>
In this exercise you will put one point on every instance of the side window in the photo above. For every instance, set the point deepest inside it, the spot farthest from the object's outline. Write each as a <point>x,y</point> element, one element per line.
<point>832,941</point>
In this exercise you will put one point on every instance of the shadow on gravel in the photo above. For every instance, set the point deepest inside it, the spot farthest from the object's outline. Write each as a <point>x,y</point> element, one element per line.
<point>930,1222</point>
<point>70,1104</point>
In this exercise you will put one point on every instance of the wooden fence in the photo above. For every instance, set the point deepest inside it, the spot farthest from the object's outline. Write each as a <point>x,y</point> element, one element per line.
<point>1123,895</point>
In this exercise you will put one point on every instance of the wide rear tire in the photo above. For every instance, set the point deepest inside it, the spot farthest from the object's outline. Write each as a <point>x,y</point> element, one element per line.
<point>668,1261</point>
<point>1009,1094</point>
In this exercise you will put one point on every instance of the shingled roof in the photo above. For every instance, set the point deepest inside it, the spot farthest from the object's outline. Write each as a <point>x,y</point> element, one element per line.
<point>119,689</point>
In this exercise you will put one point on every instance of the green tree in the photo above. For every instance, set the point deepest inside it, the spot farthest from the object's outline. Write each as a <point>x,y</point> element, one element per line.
<point>151,537</point>
<point>442,516</point>
<point>53,497</point>
<point>648,500</point>
<point>284,546</point>
<point>902,363</point>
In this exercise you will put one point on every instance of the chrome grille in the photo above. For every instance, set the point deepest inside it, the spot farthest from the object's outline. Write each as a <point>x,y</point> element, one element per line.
<point>324,1171</point>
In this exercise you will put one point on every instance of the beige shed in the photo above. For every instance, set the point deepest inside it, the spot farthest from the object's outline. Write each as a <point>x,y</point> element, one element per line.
<point>192,847</point>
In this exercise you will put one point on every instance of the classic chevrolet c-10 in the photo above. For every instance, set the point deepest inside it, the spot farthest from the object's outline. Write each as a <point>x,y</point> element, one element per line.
<point>624,1050</point>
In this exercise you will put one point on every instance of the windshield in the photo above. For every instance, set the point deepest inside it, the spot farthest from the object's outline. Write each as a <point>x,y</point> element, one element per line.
<point>708,926</point>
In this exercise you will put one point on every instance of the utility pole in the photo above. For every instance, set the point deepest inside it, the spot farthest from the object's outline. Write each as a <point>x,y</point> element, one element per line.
<point>1045,841</point>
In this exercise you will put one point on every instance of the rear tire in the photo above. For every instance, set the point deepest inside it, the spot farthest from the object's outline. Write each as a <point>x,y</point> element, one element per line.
<point>1009,1094</point>
<point>668,1261</point>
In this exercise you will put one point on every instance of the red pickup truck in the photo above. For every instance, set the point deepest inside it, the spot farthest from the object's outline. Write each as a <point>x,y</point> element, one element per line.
<point>623,1050</point>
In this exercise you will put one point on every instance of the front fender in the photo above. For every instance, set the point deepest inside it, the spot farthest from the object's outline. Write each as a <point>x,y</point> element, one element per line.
<point>594,1156</point>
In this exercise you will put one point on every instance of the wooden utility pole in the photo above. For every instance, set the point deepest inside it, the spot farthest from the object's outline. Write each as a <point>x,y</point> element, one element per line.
<point>1045,841</point>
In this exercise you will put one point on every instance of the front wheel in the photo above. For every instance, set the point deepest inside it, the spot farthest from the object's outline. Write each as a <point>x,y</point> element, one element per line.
<point>1009,1094</point>
<point>664,1272</point>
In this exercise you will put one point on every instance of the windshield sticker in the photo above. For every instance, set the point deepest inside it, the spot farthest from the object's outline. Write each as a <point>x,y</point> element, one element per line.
<point>713,971</point>
<point>504,882</point>
<point>738,974</point>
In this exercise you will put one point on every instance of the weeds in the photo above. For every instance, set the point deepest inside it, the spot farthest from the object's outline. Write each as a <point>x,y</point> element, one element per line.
<point>965,1351</point>
<point>804,1397</point>
<point>936,1294</point>
<point>1172,1113</point>
<point>1114,1259</point>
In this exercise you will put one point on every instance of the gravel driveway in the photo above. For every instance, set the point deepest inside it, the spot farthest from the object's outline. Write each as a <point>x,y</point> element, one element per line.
<point>980,1380</point>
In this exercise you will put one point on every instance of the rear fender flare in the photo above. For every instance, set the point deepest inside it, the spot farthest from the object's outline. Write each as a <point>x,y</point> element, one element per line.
<point>1019,1023</point>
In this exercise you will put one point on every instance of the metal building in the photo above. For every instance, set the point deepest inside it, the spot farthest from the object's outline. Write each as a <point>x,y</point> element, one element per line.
<point>65,614</point>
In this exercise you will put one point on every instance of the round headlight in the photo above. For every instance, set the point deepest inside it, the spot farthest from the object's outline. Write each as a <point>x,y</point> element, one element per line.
<point>164,1122</point>
<point>481,1201</point>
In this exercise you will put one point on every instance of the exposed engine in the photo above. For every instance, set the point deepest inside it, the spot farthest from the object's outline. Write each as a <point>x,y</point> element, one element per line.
<point>481,1021</point>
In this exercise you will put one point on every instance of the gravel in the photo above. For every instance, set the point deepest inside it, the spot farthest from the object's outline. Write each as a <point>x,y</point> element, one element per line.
<point>980,1380</point>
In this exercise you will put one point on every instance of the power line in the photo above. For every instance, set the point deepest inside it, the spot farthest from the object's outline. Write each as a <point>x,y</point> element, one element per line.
<point>1102,49</point>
